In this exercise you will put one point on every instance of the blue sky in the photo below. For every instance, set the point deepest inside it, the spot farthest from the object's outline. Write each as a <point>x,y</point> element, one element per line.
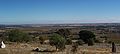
<point>59,11</point>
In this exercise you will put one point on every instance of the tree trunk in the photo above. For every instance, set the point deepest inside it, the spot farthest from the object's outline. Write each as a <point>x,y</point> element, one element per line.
<point>57,49</point>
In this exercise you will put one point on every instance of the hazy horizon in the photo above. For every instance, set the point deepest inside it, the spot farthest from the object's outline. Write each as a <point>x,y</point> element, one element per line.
<point>59,11</point>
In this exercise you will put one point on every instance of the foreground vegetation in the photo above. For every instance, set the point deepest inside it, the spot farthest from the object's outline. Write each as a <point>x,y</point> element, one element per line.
<point>60,41</point>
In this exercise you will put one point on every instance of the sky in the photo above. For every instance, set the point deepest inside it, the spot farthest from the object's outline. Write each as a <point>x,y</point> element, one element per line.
<point>59,11</point>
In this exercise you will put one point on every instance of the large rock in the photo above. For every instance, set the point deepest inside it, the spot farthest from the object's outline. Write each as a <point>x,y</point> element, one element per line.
<point>2,45</point>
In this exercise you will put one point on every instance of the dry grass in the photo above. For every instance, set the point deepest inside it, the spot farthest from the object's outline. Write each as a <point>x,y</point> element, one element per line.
<point>26,49</point>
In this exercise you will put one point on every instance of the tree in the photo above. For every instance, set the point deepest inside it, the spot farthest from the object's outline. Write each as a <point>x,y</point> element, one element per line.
<point>87,36</point>
<point>58,41</point>
<point>18,36</point>
<point>64,32</point>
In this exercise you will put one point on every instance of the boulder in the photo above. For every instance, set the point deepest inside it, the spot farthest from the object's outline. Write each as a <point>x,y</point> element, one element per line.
<point>2,45</point>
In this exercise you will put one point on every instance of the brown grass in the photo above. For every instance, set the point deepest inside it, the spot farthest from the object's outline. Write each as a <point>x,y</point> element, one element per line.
<point>21,49</point>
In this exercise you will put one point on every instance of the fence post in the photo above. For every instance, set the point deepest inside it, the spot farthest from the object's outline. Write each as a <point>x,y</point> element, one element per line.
<point>113,47</point>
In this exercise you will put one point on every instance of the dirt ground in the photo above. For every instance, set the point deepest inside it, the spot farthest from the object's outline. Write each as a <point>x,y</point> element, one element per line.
<point>26,49</point>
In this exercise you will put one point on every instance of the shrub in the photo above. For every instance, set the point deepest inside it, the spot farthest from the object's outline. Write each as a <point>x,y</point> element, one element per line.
<point>58,41</point>
<point>98,41</point>
<point>68,41</point>
<point>109,42</point>
<point>86,35</point>
<point>64,32</point>
<point>18,36</point>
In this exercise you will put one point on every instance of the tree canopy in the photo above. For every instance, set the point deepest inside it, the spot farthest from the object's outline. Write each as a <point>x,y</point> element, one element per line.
<point>86,36</point>
<point>64,32</point>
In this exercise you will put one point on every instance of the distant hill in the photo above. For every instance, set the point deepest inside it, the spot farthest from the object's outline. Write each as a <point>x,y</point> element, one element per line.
<point>58,25</point>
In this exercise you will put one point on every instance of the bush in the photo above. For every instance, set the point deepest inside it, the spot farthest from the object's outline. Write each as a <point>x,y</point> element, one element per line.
<point>68,41</point>
<point>87,36</point>
<point>98,41</point>
<point>109,42</point>
<point>58,41</point>
<point>18,36</point>
<point>64,32</point>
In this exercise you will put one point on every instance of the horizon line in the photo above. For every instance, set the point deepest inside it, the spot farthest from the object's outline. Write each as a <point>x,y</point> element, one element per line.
<point>56,23</point>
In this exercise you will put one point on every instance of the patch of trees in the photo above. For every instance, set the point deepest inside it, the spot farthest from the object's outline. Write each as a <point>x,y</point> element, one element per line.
<point>85,37</point>
<point>58,39</point>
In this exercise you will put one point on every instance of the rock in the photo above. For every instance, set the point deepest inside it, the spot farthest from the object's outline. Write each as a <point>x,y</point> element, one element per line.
<point>37,49</point>
<point>2,45</point>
